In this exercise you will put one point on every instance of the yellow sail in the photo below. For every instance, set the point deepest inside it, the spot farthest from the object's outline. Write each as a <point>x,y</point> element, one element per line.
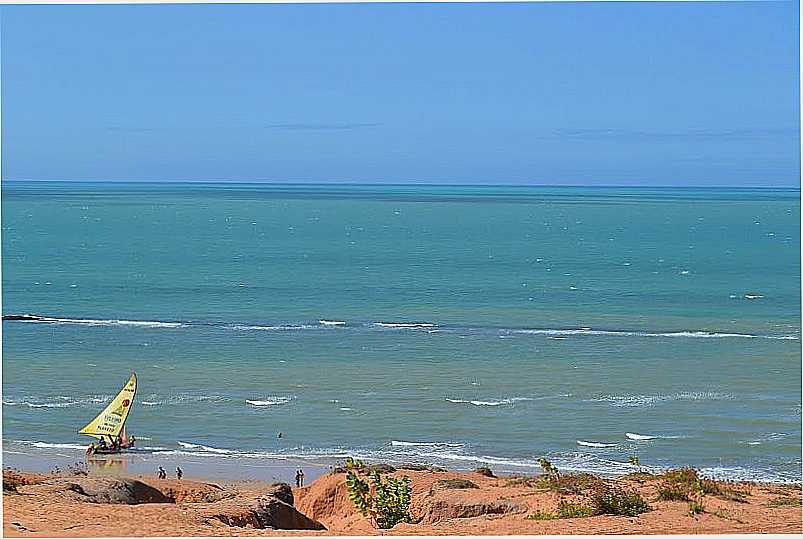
<point>111,421</point>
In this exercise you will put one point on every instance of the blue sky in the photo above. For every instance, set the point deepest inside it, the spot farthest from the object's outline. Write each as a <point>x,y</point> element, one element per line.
<point>577,93</point>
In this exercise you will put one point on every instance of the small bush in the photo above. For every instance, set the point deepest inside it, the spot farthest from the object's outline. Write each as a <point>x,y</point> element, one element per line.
<point>574,510</point>
<point>10,485</point>
<point>542,515</point>
<point>565,510</point>
<point>485,471</point>
<point>390,503</point>
<point>456,484</point>
<point>617,501</point>
<point>695,508</point>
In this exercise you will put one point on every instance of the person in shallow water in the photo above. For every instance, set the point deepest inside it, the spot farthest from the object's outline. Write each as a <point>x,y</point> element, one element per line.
<point>162,473</point>
<point>179,473</point>
<point>298,478</point>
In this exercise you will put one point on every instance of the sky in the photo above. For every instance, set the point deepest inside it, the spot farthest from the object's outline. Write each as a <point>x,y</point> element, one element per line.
<point>692,94</point>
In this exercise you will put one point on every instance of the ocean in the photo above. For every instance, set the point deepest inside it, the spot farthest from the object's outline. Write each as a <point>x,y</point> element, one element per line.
<point>451,325</point>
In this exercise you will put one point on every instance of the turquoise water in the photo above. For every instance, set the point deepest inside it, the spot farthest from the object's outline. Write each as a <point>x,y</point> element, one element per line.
<point>453,325</point>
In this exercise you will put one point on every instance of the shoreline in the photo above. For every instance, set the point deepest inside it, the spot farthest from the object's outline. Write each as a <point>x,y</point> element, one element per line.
<point>225,464</point>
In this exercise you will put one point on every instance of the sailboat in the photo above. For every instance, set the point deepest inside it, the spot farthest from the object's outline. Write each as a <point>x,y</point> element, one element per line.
<point>109,425</point>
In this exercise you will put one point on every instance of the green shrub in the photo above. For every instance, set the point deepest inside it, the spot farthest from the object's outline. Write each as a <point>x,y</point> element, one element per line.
<point>542,515</point>
<point>390,503</point>
<point>684,484</point>
<point>548,467</point>
<point>565,510</point>
<point>616,501</point>
<point>695,508</point>
<point>574,510</point>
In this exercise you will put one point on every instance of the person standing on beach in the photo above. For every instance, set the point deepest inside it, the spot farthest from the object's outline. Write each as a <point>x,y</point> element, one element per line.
<point>298,478</point>
<point>162,473</point>
<point>179,473</point>
<point>301,478</point>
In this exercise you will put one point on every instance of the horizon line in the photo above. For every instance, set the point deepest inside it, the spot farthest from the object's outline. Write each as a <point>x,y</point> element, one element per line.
<point>399,184</point>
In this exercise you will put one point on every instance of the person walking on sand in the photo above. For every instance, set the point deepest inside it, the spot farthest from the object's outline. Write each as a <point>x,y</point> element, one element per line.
<point>162,473</point>
<point>301,478</point>
<point>179,473</point>
<point>298,478</point>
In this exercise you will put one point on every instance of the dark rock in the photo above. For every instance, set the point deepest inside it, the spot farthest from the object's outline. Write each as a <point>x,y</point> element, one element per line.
<point>484,470</point>
<point>422,468</point>
<point>282,491</point>
<point>455,484</point>
<point>263,512</point>
<point>110,490</point>
<point>379,468</point>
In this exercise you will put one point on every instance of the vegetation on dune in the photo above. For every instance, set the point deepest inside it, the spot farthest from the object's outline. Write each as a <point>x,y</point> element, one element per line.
<point>565,510</point>
<point>610,500</point>
<point>686,485</point>
<point>390,502</point>
<point>784,501</point>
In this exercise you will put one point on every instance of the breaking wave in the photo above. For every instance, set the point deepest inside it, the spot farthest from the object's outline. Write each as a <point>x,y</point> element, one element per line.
<point>636,436</point>
<point>634,401</point>
<point>501,402</point>
<point>269,401</point>
<point>627,333</point>
<point>205,448</point>
<point>594,444</point>
<point>553,333</point>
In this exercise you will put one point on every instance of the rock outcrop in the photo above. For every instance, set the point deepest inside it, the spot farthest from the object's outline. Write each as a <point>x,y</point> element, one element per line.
<point>273,509</point>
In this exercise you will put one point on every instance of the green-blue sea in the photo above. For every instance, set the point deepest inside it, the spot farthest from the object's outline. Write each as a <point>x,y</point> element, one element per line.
<point>457,326</point>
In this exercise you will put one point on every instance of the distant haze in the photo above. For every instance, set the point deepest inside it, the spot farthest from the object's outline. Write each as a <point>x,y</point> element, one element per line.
<point>551,94</point>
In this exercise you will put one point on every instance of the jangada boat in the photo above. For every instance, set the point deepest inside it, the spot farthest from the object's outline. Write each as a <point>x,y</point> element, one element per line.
<point>109,425</point>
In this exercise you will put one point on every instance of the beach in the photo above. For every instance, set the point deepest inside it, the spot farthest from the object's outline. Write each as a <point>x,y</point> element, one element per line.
<point>482,505</point>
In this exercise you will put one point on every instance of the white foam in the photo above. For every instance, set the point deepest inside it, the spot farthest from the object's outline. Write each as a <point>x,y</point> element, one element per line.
<point>270,401</point>
<point>205,448</point>
<point>634,401</point>
<point>626,333</point>
<point>331,323</point>
<point>489,403</point>
<point>109,322</point>
<point>284,327</point>
<point>403,325</point>
<point>150,403</point>
<point>753,296</point>
<point>635,436</point>
<point>400,443</point>
<point>46,445</point>
<point>594,444</point>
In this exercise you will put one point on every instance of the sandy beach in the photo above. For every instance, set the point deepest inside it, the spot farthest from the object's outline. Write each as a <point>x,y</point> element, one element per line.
<point>443,503</point>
